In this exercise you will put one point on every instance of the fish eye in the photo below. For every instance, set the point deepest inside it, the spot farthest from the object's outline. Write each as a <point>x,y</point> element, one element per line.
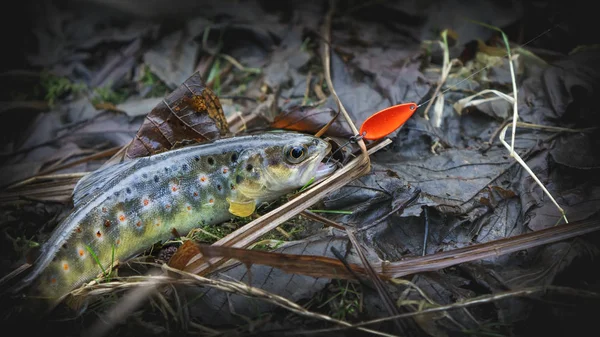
<point>295,154</point>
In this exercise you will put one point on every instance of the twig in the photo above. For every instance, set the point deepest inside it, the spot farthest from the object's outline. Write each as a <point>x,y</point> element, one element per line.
<point>326,33</point>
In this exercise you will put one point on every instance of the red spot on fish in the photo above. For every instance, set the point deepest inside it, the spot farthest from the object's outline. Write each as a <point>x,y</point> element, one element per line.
<point>122,217</point>
<point>139,224</point>
<point>118,241</point>
<point>157,224</point>
<point>189,208</point>
<point>65,266</point>
<point>211,200</point>
<point>174,188</point>
<point>146,202</point>
<point>225,170</point>
<point>81,252</point>
<point>195,194</point>
<point>107,223</point>
<point>203,179</point>
<point>53,280</point>
<point>168,206</point>
<point>78,229</point>
<point>104,210</point>
<point>98,234</point>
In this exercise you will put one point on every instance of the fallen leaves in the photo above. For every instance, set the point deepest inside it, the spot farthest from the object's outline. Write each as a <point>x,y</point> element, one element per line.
<point>190,114</point>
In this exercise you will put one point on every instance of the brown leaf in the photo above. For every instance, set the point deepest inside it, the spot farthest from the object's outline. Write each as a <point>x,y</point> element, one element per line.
<point>190,114</point>
<point>311,120</point>
<point>183,255</point>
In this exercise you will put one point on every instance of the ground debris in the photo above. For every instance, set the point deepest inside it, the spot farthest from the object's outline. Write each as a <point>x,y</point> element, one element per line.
<point>91,74</point>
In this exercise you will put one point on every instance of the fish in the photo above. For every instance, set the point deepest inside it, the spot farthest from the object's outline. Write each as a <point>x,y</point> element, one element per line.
<point>123,209</point>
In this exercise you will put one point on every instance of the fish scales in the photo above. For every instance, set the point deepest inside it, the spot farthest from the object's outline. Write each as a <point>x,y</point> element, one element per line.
<point>121,211</point>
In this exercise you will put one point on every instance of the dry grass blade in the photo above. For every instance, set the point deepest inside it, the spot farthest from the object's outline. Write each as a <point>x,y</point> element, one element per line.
<point>472,302</point>
<point>143,286</point>
<point>249,291</point>
<point>58,187</point>
<point>109,152</point>
<point>437,97</point>
<point>326,48</point>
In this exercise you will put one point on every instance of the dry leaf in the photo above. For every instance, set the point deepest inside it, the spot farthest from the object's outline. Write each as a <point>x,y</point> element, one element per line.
<point>190,114</point>
<point>311,120</point>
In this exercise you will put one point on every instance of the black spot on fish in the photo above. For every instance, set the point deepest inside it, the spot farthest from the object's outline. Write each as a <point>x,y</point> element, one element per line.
<point>196,158</point>
<point>128,190</point>
<point>249,167</point>
<point>184,167</point>
<point>219,187</point>
<point>211,161</point>
<point>117,194</point>
<point>166,170</point>
<point>64,246</point>
<point>156,179</point>
<point>239,179</point>
<point>144,175</point>
<point>234,157</point>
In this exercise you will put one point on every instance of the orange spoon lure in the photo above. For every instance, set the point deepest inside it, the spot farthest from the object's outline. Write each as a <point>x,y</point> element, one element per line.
<point>386,121</point>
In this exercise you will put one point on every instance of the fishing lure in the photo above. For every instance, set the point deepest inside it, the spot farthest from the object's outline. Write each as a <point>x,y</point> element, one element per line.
<point>122,210</point>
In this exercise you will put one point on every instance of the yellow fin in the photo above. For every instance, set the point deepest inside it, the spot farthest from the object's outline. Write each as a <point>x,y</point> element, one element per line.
<point>241,208</point>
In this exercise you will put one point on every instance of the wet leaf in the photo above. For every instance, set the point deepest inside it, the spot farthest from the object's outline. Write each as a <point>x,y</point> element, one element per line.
<point>310,120</point>
<point>219,308</point>
<point>138,107</point>
<point>191,113</point>
<point>174,58</point>
<point>286,59</point>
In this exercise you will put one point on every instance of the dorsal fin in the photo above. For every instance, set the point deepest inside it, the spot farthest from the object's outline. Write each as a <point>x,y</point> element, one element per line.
<point>88,186</point>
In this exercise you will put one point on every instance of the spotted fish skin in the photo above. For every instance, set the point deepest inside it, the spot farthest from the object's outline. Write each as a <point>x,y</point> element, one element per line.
<point>121,211</point>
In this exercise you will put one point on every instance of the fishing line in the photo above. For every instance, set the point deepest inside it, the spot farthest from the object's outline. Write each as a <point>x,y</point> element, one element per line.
<point>486,67</point>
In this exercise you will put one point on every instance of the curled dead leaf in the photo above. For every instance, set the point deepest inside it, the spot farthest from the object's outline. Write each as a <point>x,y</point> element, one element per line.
<point>190,114</point>
<point>183,255</point>
<point>311,120</point>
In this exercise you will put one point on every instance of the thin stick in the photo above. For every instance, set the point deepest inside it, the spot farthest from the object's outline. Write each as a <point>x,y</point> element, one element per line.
<point>522,162</point>
<point>326,33</point>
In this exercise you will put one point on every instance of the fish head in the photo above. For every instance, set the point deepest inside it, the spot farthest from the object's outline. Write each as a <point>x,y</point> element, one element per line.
<point>285,162</point>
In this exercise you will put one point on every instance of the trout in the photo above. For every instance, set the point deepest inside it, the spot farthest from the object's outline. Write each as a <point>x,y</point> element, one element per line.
<point>122,210</point>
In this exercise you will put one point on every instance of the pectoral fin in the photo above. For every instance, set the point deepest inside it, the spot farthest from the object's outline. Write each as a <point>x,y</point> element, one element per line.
<point>241,208</point>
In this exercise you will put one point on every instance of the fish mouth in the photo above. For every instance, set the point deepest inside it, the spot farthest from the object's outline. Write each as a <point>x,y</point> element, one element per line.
<point>326,168</point>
